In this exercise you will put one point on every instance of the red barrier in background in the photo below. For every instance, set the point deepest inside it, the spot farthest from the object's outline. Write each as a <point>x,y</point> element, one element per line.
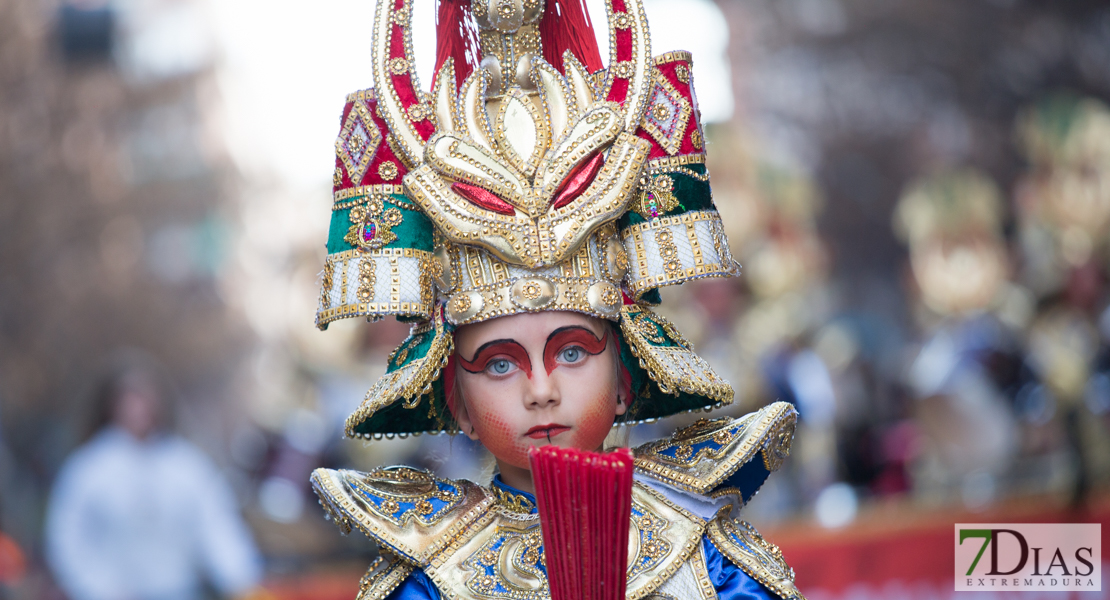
<point>909,550</point>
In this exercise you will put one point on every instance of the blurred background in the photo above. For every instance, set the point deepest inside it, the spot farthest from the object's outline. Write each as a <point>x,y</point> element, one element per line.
<point>918,190</point>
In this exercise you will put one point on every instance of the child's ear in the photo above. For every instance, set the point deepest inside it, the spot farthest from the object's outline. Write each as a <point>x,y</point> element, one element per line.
<point>622,404</point>
<point>462,417</point>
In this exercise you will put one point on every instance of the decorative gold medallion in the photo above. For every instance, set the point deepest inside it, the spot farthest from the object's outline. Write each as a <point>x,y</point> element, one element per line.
<point>682,72</point>
<point>371,225</point>
<point>399,66</point>
<point>695,140</point>
<point>388,170</point>
<point>419,112</point>
<point>533,293</point>
<point>463,306</point>
<point>657,197</point>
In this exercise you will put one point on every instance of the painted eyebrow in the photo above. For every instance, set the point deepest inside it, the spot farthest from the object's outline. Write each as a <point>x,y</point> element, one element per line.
<point>563,336</point>
<point>487,351</point>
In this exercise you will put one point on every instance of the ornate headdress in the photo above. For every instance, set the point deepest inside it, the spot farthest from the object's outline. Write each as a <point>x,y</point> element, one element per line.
<point>529,179</point>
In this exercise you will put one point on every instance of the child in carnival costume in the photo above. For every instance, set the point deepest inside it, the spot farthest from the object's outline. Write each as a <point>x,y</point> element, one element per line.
<point>523,216</point>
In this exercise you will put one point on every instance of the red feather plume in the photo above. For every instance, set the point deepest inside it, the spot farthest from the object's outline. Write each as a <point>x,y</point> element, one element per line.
<point>457,38</point>
<point>566,25</point>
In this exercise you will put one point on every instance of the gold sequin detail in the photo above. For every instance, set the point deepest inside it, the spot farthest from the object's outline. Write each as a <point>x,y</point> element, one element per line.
<point>610,296</point>
<point>668,250</point>
<point>419,112</point>
<point>398,66</point>
<point>531,290</point>
<point>366,279</point>
<point>683,452</point>
<point>683,73</point>
<point>461,303</point>
<point>624,69</point>
<point>387,170</point>
<point>329,279</point>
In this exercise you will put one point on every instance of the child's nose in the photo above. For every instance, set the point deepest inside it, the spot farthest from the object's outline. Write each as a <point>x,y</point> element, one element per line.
<point>543,390</point>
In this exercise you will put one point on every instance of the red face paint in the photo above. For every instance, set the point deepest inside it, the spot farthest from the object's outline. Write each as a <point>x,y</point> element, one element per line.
<point>570,336</point>
<point>501,438</point>
<point>595,421</point>
<point>509,350</point>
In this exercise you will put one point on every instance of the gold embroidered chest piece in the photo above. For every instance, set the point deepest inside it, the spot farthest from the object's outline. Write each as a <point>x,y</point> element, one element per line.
<point>500,556</point>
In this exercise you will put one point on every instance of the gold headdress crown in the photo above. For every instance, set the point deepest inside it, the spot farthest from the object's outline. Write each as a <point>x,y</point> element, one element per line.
<point>528,179</point>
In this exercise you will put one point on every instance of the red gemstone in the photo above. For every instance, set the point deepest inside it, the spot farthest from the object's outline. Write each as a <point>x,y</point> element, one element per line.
<point>578,180</point>
<point>483,198</point>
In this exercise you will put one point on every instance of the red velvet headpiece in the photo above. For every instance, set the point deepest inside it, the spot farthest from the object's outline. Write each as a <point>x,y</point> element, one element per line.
<point>565,25</point>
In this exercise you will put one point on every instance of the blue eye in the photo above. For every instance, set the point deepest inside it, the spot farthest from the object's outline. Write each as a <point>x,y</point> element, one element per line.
<point>499,366</point>
<point>572,354</point>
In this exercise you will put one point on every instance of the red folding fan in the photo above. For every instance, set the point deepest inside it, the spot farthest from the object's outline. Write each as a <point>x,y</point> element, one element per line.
<point>585,504</point>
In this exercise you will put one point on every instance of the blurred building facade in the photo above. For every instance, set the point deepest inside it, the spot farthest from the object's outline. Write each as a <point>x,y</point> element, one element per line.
<point>115,226</point>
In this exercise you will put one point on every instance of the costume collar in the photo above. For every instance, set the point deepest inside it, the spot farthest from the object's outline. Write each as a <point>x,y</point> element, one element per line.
<point>515,500</point>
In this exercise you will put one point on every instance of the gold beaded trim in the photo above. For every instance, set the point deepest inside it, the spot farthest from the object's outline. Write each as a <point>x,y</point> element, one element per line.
<point>514,502</point>
<point>757,557</point>
<point>338,263</point>
<point>410,382</point>
<point>715,261</point>
<point>673,368</point>
<point>383,576</point>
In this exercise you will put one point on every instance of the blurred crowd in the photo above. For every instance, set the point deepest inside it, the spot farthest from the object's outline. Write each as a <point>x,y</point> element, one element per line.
<point>921,206</point>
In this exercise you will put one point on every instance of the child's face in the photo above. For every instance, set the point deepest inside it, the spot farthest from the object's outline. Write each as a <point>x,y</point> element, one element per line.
<point>536,379</point>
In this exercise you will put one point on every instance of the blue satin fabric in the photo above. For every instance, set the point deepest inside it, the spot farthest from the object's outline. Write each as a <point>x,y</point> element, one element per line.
<point>730,582</point>
<point>417,587</point>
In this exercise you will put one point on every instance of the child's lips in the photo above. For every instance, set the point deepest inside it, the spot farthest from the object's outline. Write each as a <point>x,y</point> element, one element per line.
<point>540,432</point>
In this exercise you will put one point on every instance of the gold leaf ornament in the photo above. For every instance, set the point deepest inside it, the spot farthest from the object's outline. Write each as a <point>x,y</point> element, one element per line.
<point>371,226</point>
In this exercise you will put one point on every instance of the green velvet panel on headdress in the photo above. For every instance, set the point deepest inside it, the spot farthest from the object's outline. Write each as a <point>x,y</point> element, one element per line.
<point>410,398</point>
<point>692,194</point>
<point>414,231</point>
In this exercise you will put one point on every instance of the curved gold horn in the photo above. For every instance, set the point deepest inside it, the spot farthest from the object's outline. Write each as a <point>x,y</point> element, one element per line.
<point>401,100</point>
<point>627,80</point>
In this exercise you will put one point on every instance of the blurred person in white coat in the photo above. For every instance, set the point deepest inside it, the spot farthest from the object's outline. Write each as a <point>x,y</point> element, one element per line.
<point>138,513</point>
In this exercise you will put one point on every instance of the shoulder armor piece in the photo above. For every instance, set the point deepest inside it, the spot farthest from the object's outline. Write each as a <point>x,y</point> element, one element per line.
<point>383,576</point>
<point>716,457</point>
<point>744,547</point>
<point>408,511</point>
